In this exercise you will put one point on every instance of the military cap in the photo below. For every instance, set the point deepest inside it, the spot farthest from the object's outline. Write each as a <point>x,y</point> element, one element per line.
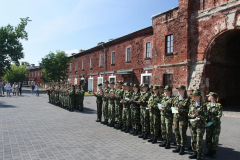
<point>120,82</point>
<point>161,87</point>
<point>106,81</point>
<point>126,84</point>
<point>181,87</point>
<point>212,94</point>
<point>99,84</point>
<point>151,86</point>
<point>112,82</point>
<point>155,87</point>
<point>196,92</point>
<point>145,85</point>
<point>135,85</point>
<point>169,88</point>
<point>131,84</point>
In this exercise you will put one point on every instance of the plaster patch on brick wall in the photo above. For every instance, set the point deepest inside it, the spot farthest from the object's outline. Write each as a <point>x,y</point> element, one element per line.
<point>195,77</point>
<point>238,20</point>
<point>230,20</point>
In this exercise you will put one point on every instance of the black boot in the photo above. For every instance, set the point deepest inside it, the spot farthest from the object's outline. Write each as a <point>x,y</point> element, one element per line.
<point>199,156</point>
<point>194,155</point>
<point>102,122</point>
<point>151,139</point>
<point>213,155</point>
<point>119,126</point>
<point>163,143</point>
<point>167,145</point>
<point>182,150</point>
<point>123,128</point>
<point>127,129</point>
<point>145,136</point>
<point>135,133</point>
<point>132,131</point>
<point>112,124</point>
<point>154,140</point>
<point>141,136</point>
<point>177,149</point>
<point>209,153</point>
<point>116,126</point>
<point>105,122</point>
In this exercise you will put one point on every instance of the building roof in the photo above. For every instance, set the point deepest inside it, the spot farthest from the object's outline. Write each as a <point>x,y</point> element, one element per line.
<point>159,14</point>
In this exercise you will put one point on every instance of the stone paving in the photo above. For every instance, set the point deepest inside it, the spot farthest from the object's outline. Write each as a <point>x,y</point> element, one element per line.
<point>31,128</point>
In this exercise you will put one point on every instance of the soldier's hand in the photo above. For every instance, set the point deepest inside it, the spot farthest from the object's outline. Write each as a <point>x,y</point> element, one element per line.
<point>139,100</point>
<point>121,101</point>
<point>150,107</point>
<point>130,100</point>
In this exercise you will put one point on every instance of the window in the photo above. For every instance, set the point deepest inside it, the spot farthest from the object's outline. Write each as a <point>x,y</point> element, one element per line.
<point>70,67</point>
<point>100,61</point>
<point>76,66</point>
<point>128,54</point>
<point>38,74</point>
<point>82,64</point>
<point>113,58</point>
<point>169,44</point>
<point>148,50</point>
<point>29,74</point>
<point>90,63</point>
<point>129,80</point>
<point>32,74</point>
<point>35,74</point>
<point>147,79</point>
<point>167,79</point>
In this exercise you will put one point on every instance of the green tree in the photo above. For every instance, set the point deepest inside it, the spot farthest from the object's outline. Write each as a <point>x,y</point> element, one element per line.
<point>16,74</point>
<point>54,67</point>
<point>25,63</point>
<point>11,49</point>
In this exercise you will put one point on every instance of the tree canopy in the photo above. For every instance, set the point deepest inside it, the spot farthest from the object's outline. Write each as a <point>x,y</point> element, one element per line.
<point>11,49</point>
<point>16,74</point>
<point>54,67</point>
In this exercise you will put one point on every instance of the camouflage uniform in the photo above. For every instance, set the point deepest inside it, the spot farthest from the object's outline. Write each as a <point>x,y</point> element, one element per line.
<point>99,103</point>
<point>81,99</point>
<point>144,114</point>
<point>111,105</point>
<point>135,111</point>
<point>118,105</point>
<point>71,96</point>
<point>105,103</point>
<point>77,97</point>
<point>126,115</point>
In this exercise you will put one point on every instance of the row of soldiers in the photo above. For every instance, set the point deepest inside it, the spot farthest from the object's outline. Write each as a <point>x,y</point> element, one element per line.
<point>67,96</point>
<point>154,110</point>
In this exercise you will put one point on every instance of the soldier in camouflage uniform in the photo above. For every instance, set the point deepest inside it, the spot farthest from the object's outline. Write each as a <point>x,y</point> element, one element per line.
<point>111,104</point>
<point>81,98</point>
<point>166,117</point>
<point>144,113</point>
<point>154,114</point>
<point>99,95</point>
<point>105,102</point>
<point>197,118</point>
<point>71,96</point>
<point>180,119</point>
<point>119,106</point>
<point>77,97</point>
<point>126,115</point>
<point>151,89</point>
<point>214,113</point>
<point>135,110</point>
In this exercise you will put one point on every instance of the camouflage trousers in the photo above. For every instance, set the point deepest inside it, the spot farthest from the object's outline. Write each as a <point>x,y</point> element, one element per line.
<point>197,139</point>
<point>180,129</point>
<point>99,111</point>
<point>135,117</point>
<point>79,104</point>
<point>126,116</point>
<point>144,119</point>
<point>166,126</point>
<point>111,110</point>
<point>71,103</point>
<point>118,112</point>
<point>212,136</point>
<point>105,109</point>
<point>154,116</point>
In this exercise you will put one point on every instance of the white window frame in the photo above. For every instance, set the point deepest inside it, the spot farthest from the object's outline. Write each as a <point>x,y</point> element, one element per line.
<point>145,74</point>
<point>146,50</point>
<point>92,82</point>
<point>38,73</point>
<point>127,54</point>
<point>101,61</point>
<point>99,82</point>
<point>82,64</point>
<point>90,63</point>
<point>75,81</point>
<point>76,65</point>
<point>112,57</point>
<point>112,77</point>
<point>171,43</point>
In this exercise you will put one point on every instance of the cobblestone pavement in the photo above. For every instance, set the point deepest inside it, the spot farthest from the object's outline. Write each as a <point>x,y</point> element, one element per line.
<point>31,128</point>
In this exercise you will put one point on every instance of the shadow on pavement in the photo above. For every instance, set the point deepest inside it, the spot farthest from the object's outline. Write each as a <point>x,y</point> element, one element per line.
<point>2,105</point>
<point>88,111</point>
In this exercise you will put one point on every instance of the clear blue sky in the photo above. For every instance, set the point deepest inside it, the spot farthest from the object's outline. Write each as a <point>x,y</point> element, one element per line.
<point>70,25</point>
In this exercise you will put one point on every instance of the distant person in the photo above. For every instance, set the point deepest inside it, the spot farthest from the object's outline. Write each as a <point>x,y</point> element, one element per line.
<point>37,90</point>
<point>1,86</point>
<point>33,87</point>
<point>20,88</point>
<point>17,89</point>
<point>14,88</point>
<point>8,89</point>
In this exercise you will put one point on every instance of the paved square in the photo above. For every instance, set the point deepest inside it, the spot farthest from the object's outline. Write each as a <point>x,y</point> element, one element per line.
<point>31,128</point>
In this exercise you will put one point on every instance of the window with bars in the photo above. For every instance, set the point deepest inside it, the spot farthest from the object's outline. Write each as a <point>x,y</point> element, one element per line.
<point>70,67</point>
<point>90,63</point>
<point>148,50</point>
<point>167,79</point>
<point>147,79</point>
<point>169,44</point>
<point>113,58</point>
<point>82,64</point>
<point>128,54</point>
<point>76,66</point>
<point>100,61</point>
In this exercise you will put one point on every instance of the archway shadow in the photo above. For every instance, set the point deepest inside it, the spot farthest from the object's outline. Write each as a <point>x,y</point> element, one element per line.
<point>2,105</point>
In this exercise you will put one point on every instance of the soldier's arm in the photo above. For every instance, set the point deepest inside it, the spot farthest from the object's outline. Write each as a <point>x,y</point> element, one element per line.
<point>219,115</point>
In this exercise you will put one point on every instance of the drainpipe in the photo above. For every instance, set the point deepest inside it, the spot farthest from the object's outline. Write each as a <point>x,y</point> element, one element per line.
<point>104,61</point>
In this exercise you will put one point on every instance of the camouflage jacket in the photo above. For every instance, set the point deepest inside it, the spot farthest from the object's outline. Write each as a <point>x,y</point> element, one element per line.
<point>144,99</point>
<point>167,103</point>
<point>105,92</point>
<point>126,97</point>
<point>118,96</point>
<point>99,96</point>
<point>201,111</point>
<point>135,97</point>
<point>215,112</point>
<point>154,100</point>
<point>183,107</point>
<point>111,99</point>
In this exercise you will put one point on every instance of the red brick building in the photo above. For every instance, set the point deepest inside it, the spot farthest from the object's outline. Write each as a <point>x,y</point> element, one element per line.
<point>34,74</point>
<point>195,44</point>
